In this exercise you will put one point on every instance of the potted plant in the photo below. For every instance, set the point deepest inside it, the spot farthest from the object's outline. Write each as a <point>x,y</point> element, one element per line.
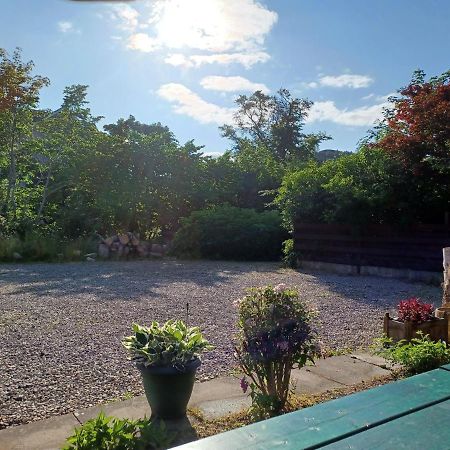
<point>414,316</point>
<point>167,357</point>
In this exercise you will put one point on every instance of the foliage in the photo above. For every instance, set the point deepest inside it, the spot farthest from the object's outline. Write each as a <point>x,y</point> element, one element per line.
<point>274,122</point>
<point>414,310</point>
<point>108,433</point>
<point>359,188</point>
<point>290,256</point>
<point>171,344</point>
<point>417,130</point>
<point>37,247</point>
<point>419,355</point>
<point>226,232</point>
<point>275,334</point>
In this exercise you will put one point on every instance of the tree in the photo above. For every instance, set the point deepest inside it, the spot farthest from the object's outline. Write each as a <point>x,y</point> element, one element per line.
<point>19,95</point>
<point>417,129</point>
<point>416,132</point>
<point>274,122</point>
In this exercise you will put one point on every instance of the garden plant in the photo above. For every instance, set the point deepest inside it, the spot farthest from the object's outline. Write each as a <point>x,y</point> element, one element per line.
<point>167,356</point>
<point>416,356</point>
<point>275,334</point>
<point>109,433</point>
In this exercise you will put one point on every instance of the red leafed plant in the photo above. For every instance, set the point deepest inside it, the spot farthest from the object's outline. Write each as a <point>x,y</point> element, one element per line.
<point>414,310</point>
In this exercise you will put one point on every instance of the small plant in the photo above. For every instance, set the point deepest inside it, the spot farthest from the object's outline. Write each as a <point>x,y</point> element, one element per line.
<point>275,335</point>
<point>289,254</point>
<point>414,310</point>
<point>109,433</point>
<point>416,356</point>
<point>171,344</point>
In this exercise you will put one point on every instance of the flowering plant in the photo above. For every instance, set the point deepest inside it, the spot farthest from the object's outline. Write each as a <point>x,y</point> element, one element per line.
<point>414,310</point>
<point>275,335</point>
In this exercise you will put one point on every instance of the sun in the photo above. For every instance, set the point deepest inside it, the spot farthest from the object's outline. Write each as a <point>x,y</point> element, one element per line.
<point>199,24</point>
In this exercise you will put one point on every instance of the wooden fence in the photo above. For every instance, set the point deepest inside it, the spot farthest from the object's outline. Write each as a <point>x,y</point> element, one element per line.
<point>419,247</point>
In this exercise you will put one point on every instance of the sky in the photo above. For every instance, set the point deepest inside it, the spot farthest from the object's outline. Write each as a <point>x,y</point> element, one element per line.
<point>184,62</point>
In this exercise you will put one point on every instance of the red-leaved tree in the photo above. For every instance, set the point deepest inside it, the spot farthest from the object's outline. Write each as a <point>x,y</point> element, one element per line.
<point>418,127</point>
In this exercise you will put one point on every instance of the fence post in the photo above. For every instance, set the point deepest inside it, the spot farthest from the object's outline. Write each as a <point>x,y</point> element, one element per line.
<point>446,294</point>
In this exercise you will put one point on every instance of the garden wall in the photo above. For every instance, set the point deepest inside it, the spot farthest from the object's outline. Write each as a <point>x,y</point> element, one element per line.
<point>418,247</point>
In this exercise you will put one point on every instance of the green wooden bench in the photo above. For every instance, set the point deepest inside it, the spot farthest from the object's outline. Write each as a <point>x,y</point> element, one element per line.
<point>408,414</point>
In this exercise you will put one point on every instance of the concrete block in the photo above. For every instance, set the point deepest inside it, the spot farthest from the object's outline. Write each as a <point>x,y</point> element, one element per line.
<point>340,269</point>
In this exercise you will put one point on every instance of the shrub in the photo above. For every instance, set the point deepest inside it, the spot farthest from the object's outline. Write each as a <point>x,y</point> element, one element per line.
<point>37,247</point>
<point>108,433</point>
<point>419,355</point>
<point>290,256</point>
<point>275,335</point>
<point>414,310</point>
<point>172,344</point>
<point>227,232</point>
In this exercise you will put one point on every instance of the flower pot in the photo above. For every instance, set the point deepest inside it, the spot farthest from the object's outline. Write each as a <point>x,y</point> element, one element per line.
<point>169,389</point>
<point>436,328</point>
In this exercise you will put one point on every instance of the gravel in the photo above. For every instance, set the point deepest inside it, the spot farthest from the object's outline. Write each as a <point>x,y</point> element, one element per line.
<point>61,324</point>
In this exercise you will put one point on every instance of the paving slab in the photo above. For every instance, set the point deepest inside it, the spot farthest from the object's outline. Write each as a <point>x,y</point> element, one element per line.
<point>346,370</point>
<point>135,408</point>
<point>306,382</point>
<point>48,434</point>
<point>375,360</point>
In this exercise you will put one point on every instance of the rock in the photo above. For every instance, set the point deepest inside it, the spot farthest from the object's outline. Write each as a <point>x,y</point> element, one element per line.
<point>124,239</point>
<point>17,256</point>
<point>90,259</point>
<point>103,251</point>
<point>90,255</point>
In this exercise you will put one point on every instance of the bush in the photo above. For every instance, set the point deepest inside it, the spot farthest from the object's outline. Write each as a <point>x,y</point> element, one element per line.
<point>419,355</point>
<point>275,335</point>
<point>37,247</point>
<point>227,232</point>
<point>108,433</point>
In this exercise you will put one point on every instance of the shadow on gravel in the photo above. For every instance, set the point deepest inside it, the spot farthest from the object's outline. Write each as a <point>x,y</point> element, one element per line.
<point>128,280</point>
<point>375,291</point>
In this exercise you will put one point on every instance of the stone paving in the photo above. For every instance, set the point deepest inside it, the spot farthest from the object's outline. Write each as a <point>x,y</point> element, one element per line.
<point>213,399</point>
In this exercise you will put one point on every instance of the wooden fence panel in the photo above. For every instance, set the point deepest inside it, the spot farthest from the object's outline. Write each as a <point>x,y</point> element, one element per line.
<point>419,247</point>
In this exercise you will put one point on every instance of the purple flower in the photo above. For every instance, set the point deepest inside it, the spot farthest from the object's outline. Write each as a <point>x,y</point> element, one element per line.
<point>284,346</point>
<point>244,385</point>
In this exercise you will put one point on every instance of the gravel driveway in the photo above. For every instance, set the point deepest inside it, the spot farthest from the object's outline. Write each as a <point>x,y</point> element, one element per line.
<point>61,324</point>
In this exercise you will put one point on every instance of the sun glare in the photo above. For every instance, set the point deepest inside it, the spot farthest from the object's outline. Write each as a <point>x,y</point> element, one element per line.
<point>198,24</point>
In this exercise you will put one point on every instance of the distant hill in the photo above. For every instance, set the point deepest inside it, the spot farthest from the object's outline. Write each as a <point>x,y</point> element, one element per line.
<point>325,155</point>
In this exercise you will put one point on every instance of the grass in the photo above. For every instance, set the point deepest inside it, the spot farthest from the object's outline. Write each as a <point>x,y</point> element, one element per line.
<point>206,427</point>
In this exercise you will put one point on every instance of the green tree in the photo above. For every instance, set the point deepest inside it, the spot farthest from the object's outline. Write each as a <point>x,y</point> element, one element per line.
<point>274,122</point>
<point>19,95</point>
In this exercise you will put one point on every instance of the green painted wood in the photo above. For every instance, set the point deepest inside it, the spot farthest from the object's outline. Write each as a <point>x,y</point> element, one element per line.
<point>427,429</point>
<point>337,419</point>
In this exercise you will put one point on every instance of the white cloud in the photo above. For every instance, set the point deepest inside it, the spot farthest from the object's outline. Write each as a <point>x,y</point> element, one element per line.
<point>362,116</point>
<point>227,31</point>
<point>65,26</point>
<point>127,17</point>
<point>245,59</point>
<point>232,84</point>
<point>142,42</point>
<point>346,80</point>
<point>190,104</point>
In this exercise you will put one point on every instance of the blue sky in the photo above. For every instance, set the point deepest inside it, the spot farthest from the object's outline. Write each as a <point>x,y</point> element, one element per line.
<point>183,62</point>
